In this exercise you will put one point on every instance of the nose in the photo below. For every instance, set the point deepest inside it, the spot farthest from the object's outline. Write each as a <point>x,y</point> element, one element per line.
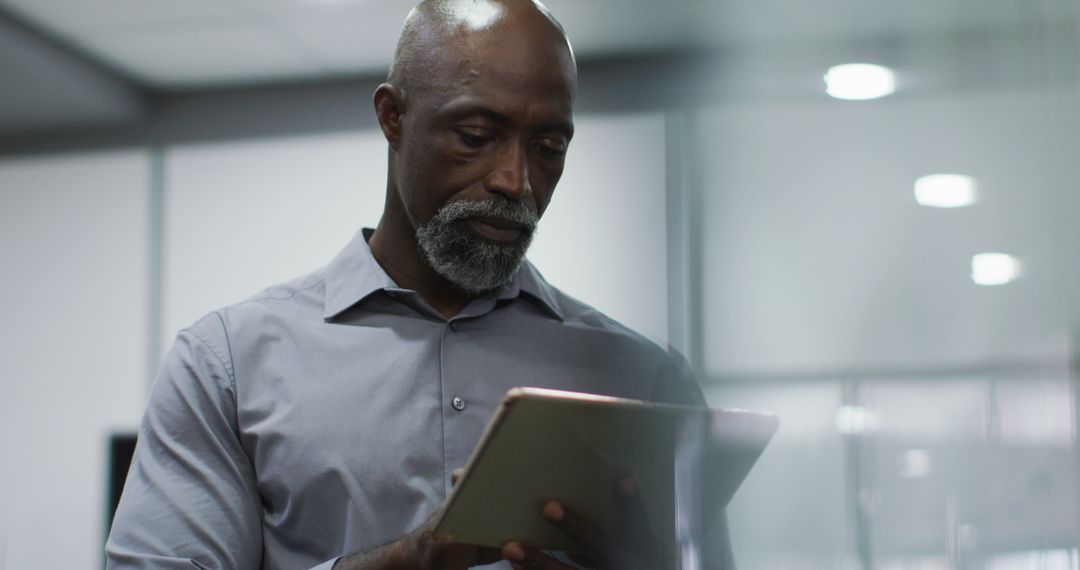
<point>510,175</point>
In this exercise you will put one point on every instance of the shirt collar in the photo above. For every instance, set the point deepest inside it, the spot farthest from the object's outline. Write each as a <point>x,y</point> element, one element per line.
<point>529,281</point>
<point>354,275</point>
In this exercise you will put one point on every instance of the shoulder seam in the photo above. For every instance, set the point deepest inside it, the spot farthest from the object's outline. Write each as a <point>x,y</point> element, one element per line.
<point>226,358</point>
<point>228,349</point>
<point>217,354</point>
<point>264,296</point>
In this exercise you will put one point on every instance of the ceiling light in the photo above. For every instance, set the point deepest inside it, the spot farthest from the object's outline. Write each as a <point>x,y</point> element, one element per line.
<point>855,420</point>
<point>914,464</point>
<point>945,191</point>
<point>859,81</point>
<point>994,268</point>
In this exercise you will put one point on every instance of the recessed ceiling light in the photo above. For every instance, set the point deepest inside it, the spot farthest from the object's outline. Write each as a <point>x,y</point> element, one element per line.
<point>857,81</point>
<point>994,268</point>
<point>945,191</point>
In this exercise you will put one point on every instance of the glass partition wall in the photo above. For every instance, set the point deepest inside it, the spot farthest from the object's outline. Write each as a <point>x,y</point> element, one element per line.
<point>890,261</point>
<point>929,472</point>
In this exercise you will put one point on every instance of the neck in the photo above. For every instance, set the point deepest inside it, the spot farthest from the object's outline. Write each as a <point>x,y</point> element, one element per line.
<point>396,250</point>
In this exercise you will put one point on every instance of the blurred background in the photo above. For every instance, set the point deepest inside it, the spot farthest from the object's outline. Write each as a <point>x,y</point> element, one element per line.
<point>886,255</point>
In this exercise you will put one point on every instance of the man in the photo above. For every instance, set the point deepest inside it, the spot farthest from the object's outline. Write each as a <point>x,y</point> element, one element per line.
<point>321,421</point>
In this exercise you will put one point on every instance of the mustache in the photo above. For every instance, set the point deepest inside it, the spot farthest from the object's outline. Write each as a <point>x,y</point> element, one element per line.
<point>516,212</point>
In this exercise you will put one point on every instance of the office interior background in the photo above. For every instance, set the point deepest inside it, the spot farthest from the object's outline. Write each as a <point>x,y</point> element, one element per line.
<point>916,333</point>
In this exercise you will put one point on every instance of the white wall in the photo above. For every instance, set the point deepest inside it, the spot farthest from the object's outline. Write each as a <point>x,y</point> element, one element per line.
<point>74,250</point>
<point>604,237</point>
<point>241,216</point>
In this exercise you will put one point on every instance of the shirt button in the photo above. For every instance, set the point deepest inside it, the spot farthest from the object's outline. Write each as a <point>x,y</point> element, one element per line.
<point>456,326</point>
<point>458,403</point>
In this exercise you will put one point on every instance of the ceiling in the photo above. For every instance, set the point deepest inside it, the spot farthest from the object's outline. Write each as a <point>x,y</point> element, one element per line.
<point>173,44</point>
<point>84,62</point>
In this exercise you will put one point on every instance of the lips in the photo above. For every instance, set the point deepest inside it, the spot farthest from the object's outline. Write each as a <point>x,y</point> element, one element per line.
<point>496,229</point>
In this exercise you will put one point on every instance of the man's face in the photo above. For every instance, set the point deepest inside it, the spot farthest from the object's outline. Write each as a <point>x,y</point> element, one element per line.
<point>482,148</point>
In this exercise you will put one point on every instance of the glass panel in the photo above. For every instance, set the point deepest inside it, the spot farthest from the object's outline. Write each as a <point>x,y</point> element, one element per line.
<point>779,521</point>
<point>909,252</point>
<point>979,473</point>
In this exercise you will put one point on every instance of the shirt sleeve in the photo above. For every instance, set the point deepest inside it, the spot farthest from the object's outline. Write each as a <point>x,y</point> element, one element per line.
<point>190,499</point>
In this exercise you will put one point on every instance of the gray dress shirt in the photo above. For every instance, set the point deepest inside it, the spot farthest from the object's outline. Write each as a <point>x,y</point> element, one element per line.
<point>324,416</point>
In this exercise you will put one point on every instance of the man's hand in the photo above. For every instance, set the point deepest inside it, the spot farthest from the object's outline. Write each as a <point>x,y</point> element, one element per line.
<point>629,546</point>
<point>420,550</point>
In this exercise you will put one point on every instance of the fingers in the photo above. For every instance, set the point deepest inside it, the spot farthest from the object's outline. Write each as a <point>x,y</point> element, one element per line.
<point>628,541</point>
<point>581,531</point>
<point>522,558</point>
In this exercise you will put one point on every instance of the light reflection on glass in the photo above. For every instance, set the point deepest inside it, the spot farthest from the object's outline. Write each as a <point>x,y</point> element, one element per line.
<point>929,410</point>
<point>914,464</point>
<point>1036,412</point>
<point>994,268</point>
<point>1064,559</point>
<point>917,563</point>
<point>858,81</point>
<point>855,420</point>
<point>945,191</point>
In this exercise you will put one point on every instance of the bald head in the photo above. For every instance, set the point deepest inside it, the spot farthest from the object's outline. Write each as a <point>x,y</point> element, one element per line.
<point>478,113</point>
<point>441,34</point>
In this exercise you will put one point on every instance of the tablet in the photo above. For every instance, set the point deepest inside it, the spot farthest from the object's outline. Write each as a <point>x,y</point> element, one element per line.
<point>542,444</point>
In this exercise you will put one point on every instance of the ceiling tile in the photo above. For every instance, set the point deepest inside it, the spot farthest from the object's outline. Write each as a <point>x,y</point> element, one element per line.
<point>347,36</point>
<point>342,47</point>
<point>207,56</point>
<point>612,26</point>
<point>88,17</point>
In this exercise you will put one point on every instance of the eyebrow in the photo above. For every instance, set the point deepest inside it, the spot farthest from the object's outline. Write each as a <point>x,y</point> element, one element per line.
<point>564,127</point>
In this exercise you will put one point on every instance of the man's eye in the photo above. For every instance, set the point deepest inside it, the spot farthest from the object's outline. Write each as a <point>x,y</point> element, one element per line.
<point>552,149</point>
<point>473,140</point>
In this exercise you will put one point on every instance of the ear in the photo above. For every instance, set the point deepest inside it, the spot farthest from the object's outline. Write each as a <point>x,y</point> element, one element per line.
<point>389,109</point>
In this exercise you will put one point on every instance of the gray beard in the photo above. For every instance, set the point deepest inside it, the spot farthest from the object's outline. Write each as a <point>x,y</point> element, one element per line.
<point>466,260</point>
